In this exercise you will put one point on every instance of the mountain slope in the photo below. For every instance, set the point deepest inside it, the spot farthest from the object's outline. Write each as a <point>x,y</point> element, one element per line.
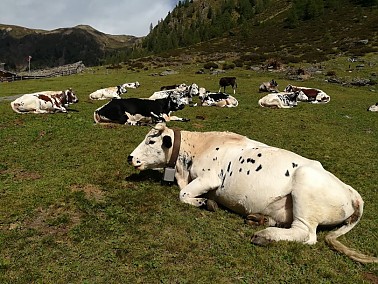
<point>57,47</point>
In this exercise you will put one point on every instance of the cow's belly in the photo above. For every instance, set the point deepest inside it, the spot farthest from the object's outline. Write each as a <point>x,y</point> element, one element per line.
<point>258,180</point>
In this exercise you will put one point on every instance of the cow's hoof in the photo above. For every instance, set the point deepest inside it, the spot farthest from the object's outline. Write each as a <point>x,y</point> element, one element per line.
<point>185,119</point>
<point>211,205</point>
<point>256,220</point>
<point>260,240</point>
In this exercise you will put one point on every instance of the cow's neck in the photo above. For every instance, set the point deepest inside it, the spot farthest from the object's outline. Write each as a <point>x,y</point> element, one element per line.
<point>175,147</point>
<point>62,98</point>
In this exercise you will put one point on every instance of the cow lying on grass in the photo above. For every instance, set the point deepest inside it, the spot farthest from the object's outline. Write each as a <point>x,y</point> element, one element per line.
<point>135,111</point>
<point>270,87</point>
<point>294,193</point>
<point>282,99</point>
<point>218,100</point>
<point>44,102</point>
<point>373,107</point>
<point>108,93</point>
<point>313,95</point>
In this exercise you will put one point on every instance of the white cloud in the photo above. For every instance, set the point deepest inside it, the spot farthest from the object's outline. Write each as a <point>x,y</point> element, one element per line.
<point>130,17</point>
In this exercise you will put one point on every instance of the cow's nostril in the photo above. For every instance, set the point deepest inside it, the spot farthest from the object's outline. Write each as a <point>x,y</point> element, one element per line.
<point>129,159</point>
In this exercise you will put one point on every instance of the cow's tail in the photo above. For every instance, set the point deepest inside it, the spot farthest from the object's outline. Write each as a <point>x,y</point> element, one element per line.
<point>331,238</point>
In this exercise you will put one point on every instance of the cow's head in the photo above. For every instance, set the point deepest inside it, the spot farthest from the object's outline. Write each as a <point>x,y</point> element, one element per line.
<point>289,88</point>
<point>194,90</point>
<point>154,151</point>
<point>71,98</point>
<point>121,89</point>
<point>177,102</point>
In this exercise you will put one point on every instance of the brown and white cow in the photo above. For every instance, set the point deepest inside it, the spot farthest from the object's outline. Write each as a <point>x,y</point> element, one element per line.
<point>292,192</point>
<point>314,95</point>
<point>44,102</point>
<point>270,87</point>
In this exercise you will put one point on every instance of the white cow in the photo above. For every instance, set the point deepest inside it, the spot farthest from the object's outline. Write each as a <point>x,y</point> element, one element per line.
<point>373,107</point>
<point>270,87</point>
<point>282,99</point>
<point>295,193</point>
<point>313,95</point>
<point>44,102</point>
<point>183,92</point>
<point>108,93</point>
<point>133,85</point>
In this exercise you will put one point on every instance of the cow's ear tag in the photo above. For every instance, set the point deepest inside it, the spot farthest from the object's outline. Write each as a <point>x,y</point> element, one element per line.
<point>169,174</point>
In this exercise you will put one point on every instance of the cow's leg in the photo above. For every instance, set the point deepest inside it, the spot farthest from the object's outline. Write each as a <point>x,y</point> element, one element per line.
<point>197,187</point>
<point>318,198</point>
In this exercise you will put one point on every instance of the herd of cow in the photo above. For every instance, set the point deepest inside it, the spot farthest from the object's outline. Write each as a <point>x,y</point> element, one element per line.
<point>289,193</point>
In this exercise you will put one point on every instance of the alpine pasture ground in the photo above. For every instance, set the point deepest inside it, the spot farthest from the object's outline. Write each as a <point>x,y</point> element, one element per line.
<point>73,211</point>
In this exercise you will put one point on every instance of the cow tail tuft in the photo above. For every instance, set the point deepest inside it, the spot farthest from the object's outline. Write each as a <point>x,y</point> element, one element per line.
<point>331,238</point>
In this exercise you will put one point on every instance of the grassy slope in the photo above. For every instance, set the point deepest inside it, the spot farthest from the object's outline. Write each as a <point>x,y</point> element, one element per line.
<point>72,209</point>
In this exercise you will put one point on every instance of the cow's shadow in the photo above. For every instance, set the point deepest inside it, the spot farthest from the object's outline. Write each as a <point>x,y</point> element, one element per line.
<point>146,175</point>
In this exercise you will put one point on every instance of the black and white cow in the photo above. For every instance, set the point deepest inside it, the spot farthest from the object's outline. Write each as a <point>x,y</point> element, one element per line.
<point>270,87</point>
<point>293,193</point>
<point>218,100</point>
<point>282,99</point>
<point>227,81</point>
<point>183,92</point>
<point>136,111</point>
<point>373,107</point>
<point>44,102</point>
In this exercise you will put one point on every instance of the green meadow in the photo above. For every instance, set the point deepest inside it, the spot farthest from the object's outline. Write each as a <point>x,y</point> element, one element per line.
<point>72,210</point>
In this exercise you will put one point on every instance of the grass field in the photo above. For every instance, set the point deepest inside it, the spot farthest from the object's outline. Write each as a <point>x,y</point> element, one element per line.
<point>73,211</point>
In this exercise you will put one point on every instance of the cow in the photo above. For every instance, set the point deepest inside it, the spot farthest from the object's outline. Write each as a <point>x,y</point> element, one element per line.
<point>292,193</point>
<point>270,87</point>
<point>282,99</point>
<point>132,85</point>
<point>108,93</point>
<point>314,95</point>
<point>227,81</point>
<point>182,92</point>
<point>136,111</point>
<point>172,87</point>
<point>373,107</point>
<point>218,100</point>
<point>44,102</point>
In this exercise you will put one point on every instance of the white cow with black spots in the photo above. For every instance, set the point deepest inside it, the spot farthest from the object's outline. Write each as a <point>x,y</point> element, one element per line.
<point>108,93</point>
<point>289,191</point>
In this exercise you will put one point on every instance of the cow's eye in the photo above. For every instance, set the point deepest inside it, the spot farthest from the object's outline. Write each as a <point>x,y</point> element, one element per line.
<point>151,142</point>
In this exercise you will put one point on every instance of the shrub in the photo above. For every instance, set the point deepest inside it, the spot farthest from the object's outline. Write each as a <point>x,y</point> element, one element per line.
<point>227,66</point>
<point>210,65</point>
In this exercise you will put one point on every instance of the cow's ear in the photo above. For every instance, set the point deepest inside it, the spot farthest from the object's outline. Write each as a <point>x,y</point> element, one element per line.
<point>167,141</point>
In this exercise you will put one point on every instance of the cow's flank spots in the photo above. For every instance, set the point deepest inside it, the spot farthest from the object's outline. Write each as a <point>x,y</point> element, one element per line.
<point>250,160</point>
<point>287,173</point>
<point>240,170</point>
<point>231,174</point>
<point>259,155</point>
<point>229,166</point>
<point>294,165</point>
<point>240,158</point>
<point>258,168</point>
<point>248,172</point>
<point>216,158</point>
<point>242,161</point>
<point>217,148</point>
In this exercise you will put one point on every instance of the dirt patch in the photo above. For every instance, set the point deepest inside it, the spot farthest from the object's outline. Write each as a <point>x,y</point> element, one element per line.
<point>91,191</point>
<point>370,277</point>
<point>55,221</point>
<point>21,174</point>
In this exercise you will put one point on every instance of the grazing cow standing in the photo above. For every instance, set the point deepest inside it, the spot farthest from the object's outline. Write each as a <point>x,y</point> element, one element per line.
<point>218,100</point>
<point>108,93</point>
<point>135,111</point>
<point>227,81</point>
<point>291,192</point>
<point>373,107</point>
<point>314,95</point>
<point>270,87</point>
<point>44,102</point>
<point>282,99</point>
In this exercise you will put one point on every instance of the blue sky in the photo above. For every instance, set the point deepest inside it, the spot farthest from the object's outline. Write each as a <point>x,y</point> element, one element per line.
<point>128,17</point>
